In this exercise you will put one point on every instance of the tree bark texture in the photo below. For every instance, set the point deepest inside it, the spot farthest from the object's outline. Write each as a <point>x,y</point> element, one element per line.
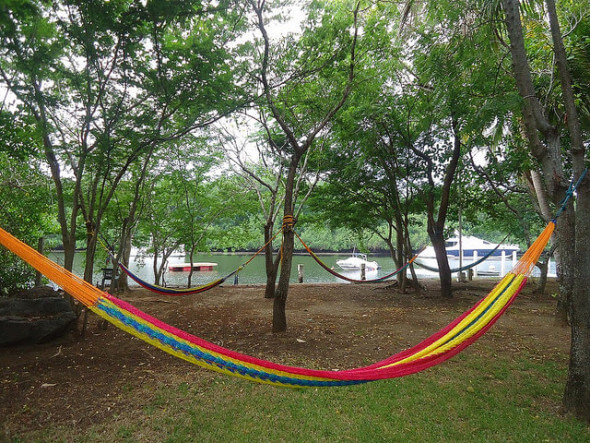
<point>573,232</point>
<point>279,318</point>
<point>444,270</point>
<point>577,389</point>
<point>271,265</point>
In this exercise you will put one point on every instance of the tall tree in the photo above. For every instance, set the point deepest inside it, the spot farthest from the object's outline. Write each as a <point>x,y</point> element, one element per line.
<point>303,97</point>
<point>574,227</point>
<point>107,82</point>
<point>264,176</point>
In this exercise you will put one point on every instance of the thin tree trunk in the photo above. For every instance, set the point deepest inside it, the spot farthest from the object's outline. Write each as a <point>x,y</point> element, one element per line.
<point>125,256</point>
<point>279,317</point>
<point>269,262</point>
<point>444,270</point>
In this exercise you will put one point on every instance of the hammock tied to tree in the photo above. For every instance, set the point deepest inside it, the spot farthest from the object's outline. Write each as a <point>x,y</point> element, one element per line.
<point>435,349</point>
<point>353,280</point>
<point>163,290</point>
<point>442,345</point>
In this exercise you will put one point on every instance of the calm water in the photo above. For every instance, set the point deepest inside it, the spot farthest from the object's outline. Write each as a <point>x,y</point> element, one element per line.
<point>254,273</point>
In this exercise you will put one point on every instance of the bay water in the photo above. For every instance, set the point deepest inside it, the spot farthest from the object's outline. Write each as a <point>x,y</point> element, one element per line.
<point>254,272</point>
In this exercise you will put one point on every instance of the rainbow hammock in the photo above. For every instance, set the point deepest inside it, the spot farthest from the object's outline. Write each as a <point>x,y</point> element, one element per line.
<point>178,291</point>
<point>437,348</point>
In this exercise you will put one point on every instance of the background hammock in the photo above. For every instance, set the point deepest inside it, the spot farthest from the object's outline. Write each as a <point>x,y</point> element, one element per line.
<point>464,267</point>
<point>175,291</point>
<point>178,291</point>
<point>353,280</point>
<point>433,350</point>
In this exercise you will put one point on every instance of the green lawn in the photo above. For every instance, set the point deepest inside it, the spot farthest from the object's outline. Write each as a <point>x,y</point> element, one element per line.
<point>473,397</point>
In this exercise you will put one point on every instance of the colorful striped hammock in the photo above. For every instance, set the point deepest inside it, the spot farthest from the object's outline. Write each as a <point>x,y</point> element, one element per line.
<point>163,290</point>
<point>439,347</point>
<point>175,291</point>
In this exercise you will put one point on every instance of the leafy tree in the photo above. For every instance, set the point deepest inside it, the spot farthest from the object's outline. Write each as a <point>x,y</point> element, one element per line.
<point>25,209</point>
<point>265,178</point>
<point>304,85</point>
<point>543,136</point>
<point>106,82</point>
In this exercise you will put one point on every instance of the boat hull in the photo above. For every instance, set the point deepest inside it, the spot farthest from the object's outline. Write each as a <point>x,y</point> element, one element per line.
<point>355,263</point>
<point>482,252</point>
<point>185,267</point>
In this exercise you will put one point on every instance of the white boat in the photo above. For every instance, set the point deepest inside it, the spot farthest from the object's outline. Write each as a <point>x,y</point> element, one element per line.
<point>355,261</point>
<point>469,245</point>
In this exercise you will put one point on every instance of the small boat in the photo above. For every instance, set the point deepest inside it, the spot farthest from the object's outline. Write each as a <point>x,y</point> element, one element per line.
<point>355,261</point>
<point>183,267</point>
<point>470,245</point>
<point>490,272</point>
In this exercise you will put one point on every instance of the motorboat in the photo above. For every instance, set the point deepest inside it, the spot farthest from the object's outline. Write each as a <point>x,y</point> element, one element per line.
<point>184,267</point>
<point>471,245</point>
<point>355,261</point>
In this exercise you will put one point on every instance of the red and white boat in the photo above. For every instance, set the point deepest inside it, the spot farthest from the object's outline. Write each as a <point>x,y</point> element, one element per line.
<point>185,267</point>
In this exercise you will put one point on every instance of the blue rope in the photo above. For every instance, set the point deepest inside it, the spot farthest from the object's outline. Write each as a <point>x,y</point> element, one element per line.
<point>570,191</point>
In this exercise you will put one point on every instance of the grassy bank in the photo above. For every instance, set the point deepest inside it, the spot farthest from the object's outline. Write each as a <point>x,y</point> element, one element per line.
<point>475,397</point>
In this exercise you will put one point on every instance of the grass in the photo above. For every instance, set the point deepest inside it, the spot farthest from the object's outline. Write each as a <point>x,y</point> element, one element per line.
<point>474,397</point>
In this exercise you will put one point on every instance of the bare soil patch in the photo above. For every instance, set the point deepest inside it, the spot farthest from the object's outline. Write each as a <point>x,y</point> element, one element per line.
<point>82,380</point>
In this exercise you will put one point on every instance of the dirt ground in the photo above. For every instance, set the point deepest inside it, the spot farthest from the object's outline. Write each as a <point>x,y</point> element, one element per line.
<point>81,380</point>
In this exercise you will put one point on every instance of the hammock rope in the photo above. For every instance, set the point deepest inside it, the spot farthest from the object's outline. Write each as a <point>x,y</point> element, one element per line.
<point>163,290</point>
<point>439,347</point>
<point>569,193</point>
<point>353,280</point>
<point>464,267</point>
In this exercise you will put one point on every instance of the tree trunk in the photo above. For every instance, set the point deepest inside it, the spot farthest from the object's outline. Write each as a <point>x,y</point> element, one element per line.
<point>279,317</point>
<point>444,270</point>
<point>91,240</point>
<point>401,252</point>
<point>410,253</point>
<point>565,234</point>
<point>544,268</point>
<point>124,256</point>
<point>156,267</point>
<point>269,262</point>
<point>576,266</point>
<point>577,390</point>
<point>191,259</point>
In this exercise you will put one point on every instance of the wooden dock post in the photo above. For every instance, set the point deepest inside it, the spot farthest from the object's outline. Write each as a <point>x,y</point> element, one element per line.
<point>363,273</point>
<point>300,273</point>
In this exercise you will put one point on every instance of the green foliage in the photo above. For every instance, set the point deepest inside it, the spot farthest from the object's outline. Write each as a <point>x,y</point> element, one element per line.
<point>25,209</point>
<point>19,136</point>
<point>119,78</point>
